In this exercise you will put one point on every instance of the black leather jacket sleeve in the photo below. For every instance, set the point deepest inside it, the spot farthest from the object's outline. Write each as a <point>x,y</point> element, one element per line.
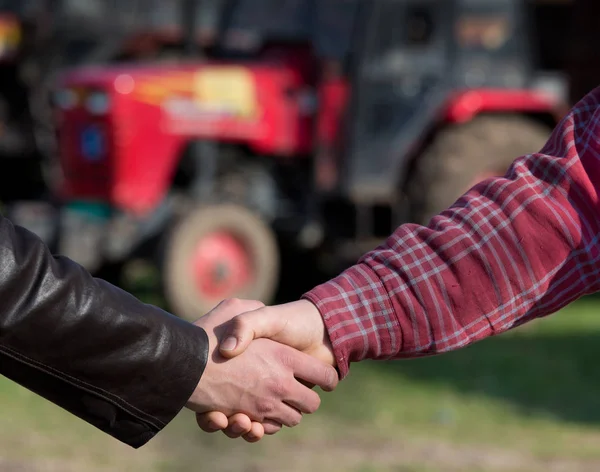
<point>123,366</point>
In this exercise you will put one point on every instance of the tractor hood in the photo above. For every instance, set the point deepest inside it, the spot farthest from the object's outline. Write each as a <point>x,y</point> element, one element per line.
<point>214,100</point>
<point>204,82</point>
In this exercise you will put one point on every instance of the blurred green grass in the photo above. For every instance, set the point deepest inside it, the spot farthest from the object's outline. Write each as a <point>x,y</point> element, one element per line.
<point>528,400</point>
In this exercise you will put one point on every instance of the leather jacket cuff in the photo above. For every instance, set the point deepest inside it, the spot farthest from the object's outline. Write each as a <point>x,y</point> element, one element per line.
<point>194,357</point>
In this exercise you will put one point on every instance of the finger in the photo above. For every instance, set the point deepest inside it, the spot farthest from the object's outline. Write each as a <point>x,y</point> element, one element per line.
<point>239,425</point>
<point>312,371</point>
<point>271,427</point>
<point>286,415</point>
<point>303,399</point>
<point>241,330</point>
<point>256,433</point>
<point>212,422</point>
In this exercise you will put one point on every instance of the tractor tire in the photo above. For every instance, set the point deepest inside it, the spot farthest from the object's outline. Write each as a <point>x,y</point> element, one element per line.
<point>227,238</point>
<point>463,155</point>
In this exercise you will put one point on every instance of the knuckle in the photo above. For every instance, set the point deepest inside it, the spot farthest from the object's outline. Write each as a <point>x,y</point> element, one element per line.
<point>224,305</point>
<point>264,407</point>
<point>277,388</point>
<point>286,356</point>
<point>242,305</point>
<point>231,302</point>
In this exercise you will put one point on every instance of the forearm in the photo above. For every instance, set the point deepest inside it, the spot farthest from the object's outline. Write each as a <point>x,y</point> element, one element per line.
<point>89,347</point>
<point>511,250</point>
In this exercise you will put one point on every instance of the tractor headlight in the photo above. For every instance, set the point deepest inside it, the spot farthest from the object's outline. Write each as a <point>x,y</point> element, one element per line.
<point>97,103</point>
<point>65,99</point>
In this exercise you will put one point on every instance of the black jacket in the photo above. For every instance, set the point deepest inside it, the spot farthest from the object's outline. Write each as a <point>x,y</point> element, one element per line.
<point>89,347</point>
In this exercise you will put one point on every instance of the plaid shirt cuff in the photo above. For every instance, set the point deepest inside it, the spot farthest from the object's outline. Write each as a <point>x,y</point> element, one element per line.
<point>358,316</point>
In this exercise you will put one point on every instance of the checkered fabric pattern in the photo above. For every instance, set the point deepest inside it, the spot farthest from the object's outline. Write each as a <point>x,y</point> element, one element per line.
<point>510,250</point>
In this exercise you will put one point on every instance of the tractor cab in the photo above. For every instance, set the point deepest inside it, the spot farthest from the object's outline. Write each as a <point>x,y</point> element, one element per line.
<point>415,54</point>
<point>423,63</point>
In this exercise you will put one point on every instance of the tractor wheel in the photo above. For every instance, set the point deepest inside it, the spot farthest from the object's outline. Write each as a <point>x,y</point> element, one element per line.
<point>218,252</point>
<point>463,155</point>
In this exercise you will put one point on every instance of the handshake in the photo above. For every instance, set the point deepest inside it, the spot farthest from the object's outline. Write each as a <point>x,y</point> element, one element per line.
<point>263,363</point>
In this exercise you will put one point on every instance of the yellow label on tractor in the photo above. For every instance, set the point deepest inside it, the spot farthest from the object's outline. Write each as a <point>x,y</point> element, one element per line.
<point>227,89</point>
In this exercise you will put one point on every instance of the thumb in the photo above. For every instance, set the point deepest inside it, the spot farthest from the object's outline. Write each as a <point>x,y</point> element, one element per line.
<point>240,331</point>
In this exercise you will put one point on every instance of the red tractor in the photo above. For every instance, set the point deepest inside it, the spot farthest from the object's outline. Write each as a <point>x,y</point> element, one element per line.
<point>321,124</point>
<point>38,39</point>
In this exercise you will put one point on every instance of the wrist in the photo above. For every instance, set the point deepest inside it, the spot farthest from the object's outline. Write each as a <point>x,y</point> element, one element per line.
<point>323,348</point>
<point>206,346</point>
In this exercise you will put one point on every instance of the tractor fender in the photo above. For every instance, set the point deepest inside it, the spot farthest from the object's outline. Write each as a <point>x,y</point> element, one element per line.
<point>465,105</point>
<point>461,107</point>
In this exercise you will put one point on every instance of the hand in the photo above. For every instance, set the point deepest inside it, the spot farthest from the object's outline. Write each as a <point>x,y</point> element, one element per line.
<point>298,324</point>
<point>261,384</point>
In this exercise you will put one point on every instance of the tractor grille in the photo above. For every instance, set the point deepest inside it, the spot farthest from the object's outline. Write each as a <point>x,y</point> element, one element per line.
<point>86,146</point>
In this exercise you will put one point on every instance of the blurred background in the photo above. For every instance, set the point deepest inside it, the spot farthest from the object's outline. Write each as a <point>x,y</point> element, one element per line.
<point>196,150</point>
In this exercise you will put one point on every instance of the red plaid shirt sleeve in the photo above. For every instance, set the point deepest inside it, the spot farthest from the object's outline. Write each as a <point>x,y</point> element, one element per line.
<point>510,250</point>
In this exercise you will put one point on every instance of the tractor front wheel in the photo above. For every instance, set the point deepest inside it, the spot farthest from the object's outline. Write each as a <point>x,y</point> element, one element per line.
<point>463,155</point>
<point>219,252</point>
